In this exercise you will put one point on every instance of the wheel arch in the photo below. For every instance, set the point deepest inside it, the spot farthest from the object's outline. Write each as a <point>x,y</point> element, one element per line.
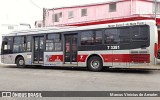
<point>91,55</point>
<point>18,57</point>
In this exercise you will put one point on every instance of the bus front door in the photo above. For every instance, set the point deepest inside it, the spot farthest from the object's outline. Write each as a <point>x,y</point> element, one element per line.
<point>70,51</point>
<point>38,49</point>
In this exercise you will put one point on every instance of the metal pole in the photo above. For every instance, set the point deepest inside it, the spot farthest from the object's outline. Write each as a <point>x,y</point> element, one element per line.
<point>155,9</point>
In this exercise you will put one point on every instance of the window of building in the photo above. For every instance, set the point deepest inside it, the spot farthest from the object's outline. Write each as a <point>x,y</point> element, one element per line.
<point>60,15</point>
<point>112,7</point>
<point>157,7</point>
<point>39,25</point>
<point>19,44</point>
<point>83,12</point>
<point>70,14</point>
<point>56,17</point>
<point>111,36</point>
<point>53,42</point>
<point>10,27</point>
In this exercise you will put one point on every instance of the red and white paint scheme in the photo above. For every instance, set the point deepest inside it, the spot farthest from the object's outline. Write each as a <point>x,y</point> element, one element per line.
<point>121,45</point>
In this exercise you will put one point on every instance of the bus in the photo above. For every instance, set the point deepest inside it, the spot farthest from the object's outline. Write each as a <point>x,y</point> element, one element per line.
<point>115,45</point>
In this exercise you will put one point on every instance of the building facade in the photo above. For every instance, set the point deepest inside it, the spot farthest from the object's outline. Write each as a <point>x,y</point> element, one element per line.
<point>107,12</point>
<point>38,24</point>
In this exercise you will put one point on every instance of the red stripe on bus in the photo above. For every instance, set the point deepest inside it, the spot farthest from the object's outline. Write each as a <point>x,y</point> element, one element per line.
<point>82,58</point>
<point>139,58</point>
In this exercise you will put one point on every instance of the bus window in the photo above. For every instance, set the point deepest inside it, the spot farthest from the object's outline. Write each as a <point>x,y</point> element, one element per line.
<point>49,45</point>
<point>53,42</point>
<point>58,46</point>
<point>124,35</point>
<point>19,45</point>
<point>111,36</point>
<point>98,37</point>
<point>87,38</point>
<point>28,43</point>
<point>91,37</point>
<point>7,45</point>
<point>144,33</point>
<point>140,33</point>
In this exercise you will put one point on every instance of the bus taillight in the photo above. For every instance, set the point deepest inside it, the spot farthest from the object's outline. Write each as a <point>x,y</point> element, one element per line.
<point>155,50</point>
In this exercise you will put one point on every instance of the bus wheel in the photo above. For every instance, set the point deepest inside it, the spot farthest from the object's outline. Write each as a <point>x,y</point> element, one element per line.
<point>20,62</point>
<point>95,64</point>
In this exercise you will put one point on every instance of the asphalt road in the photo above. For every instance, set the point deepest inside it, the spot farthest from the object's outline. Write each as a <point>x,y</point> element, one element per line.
<point>77,79</point>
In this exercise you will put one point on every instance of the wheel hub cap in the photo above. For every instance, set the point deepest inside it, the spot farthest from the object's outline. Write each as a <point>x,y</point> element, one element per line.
<point>21,62</point>
<point>95,64</point>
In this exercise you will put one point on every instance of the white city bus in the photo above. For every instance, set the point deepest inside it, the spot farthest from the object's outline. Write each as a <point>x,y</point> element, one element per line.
<point>121,45</point>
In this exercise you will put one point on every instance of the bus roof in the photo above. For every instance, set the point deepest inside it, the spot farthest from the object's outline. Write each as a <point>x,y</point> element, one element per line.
<point>67,29</point>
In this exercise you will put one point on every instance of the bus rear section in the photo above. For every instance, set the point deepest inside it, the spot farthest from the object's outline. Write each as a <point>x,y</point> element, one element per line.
<point>157,46</point>
<point>125,47</point>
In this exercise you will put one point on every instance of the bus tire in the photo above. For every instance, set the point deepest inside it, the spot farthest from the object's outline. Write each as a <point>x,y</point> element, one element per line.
<point>20,62</point>
<point>95,64</point>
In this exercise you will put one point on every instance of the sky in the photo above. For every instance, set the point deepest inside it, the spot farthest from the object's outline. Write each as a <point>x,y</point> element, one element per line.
<point>28,11</point>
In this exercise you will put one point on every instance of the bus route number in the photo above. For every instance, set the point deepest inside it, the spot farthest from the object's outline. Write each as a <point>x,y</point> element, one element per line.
<point>113,47</point>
